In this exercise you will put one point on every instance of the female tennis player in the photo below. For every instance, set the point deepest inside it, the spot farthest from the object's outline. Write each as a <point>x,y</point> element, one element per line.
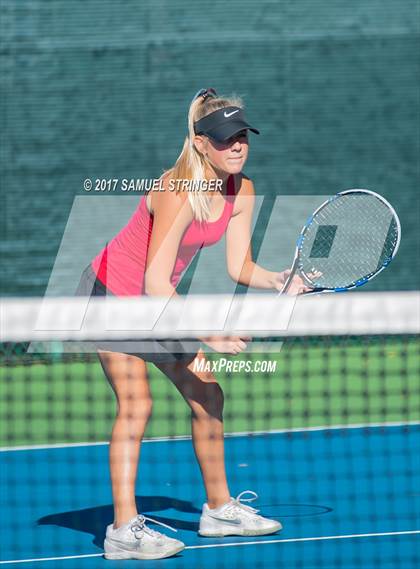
<point>148,256</point>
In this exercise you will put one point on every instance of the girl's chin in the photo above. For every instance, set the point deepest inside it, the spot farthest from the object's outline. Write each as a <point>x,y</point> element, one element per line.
<point>229,167</point>
<point>234,167</point>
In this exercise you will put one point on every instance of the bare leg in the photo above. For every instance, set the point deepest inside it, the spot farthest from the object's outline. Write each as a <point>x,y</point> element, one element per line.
<point>205,397</point>
<point>129,380</point>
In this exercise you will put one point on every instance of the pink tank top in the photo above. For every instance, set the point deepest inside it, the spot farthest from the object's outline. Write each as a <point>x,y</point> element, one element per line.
<point>120,266</point>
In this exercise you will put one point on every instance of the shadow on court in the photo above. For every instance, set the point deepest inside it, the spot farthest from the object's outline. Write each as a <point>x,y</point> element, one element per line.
<point>95,520</point>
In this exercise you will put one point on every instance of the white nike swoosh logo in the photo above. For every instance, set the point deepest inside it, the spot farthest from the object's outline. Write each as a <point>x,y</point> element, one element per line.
<point>227,115</point>
<point>124,544</point>
<point>234,521</point>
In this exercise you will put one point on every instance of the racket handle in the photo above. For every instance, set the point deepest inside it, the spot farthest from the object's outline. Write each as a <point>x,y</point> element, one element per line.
<point>314,291</point>
<point>287,283</point>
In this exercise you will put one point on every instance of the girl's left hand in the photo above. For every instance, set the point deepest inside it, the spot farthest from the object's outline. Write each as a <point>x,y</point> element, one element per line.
<point>297,286</point>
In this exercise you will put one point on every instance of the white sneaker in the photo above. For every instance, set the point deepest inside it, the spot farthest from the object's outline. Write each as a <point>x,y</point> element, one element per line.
<point>134,540</point>
<point>234,518</point>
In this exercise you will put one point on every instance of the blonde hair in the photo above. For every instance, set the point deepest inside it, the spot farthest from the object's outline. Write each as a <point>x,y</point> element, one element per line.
<point>191,164</point>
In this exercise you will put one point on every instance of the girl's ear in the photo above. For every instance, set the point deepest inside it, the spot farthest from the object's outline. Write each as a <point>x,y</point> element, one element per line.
<point>200,143</point>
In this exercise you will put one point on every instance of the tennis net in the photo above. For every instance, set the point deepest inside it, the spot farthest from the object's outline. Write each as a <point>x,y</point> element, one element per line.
<point>321,413</point>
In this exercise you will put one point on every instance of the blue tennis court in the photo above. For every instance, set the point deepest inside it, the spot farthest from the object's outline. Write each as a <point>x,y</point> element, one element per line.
<point>347,497</point>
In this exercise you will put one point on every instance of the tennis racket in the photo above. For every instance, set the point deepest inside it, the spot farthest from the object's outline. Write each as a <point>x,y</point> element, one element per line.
<point>346,242</point>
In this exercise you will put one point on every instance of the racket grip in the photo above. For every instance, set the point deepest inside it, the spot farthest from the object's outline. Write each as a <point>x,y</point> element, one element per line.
<point>286,285</point>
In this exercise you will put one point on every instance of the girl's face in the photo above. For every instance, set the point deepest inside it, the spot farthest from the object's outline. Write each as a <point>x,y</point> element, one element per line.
<point>229,156</point>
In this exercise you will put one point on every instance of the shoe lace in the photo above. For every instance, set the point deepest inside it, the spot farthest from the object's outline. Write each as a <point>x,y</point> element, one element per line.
<point>140,526</point>
<point>237,503</point>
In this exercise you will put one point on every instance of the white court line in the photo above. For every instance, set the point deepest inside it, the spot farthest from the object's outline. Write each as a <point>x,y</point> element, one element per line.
<point>227,435</point>
<point>52,558</point>
<point>240,543</point>
<point>294,540</point>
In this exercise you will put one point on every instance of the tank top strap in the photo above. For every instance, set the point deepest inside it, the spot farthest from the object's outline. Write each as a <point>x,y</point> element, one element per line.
<point>230,190</point>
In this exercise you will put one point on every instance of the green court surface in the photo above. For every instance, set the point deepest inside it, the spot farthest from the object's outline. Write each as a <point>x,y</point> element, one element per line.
<point>317,382</point>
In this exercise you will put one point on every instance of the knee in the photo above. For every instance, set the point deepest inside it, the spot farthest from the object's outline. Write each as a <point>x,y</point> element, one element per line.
<point>135,412</point>
<point>210,403</point>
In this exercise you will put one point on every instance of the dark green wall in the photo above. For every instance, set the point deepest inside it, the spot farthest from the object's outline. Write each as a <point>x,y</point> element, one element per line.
<point>98,88</point>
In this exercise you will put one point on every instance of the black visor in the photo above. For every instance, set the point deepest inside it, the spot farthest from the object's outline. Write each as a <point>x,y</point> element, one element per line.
<point>223,123</point>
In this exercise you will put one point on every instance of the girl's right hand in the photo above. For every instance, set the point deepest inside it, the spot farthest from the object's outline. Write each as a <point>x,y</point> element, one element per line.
<point>227,345</point>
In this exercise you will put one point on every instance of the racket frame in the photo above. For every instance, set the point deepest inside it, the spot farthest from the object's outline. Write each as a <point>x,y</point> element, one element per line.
<point>301,238</point>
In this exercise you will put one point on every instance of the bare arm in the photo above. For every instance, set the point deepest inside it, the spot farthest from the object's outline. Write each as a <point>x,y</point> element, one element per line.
<point>240,265</point>
<point>172,215</point>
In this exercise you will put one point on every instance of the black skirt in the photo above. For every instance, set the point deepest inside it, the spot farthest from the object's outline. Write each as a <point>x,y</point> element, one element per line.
<point>156,351</point>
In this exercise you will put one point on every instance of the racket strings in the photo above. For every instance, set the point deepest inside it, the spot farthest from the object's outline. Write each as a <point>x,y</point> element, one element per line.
<point>348,240</point>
